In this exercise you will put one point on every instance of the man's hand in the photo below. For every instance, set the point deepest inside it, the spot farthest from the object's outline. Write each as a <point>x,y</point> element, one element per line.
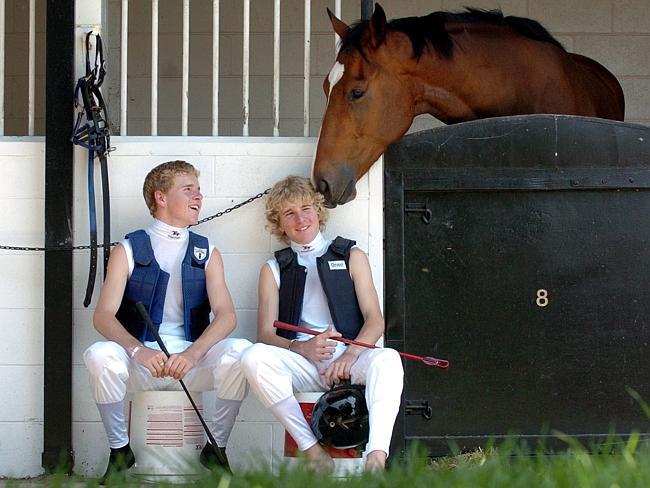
<point>151,359</point>
<point>340,369</point>
<point>178,365</point>
<point>318,348</point>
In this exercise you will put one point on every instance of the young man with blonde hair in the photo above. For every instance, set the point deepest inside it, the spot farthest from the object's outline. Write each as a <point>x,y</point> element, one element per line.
<point>179,277</point>
<point>307,284</point>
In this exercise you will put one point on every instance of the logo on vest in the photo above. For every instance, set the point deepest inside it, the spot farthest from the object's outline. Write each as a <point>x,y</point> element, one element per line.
<point>200,253</point>
<point>334,265</point>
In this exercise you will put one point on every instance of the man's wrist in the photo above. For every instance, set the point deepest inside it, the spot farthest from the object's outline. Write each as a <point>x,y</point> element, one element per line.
<point>133,351</point>
<point>355,350</point>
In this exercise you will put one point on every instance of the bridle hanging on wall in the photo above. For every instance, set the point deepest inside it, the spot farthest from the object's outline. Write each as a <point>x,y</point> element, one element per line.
<point>92,132</point>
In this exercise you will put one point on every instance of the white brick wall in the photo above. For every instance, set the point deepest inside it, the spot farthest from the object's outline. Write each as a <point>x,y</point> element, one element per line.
<point>21,307</point>
<point>232,169</point>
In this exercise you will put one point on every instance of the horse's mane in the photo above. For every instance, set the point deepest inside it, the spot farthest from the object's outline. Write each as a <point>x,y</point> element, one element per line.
<point>431,29</point>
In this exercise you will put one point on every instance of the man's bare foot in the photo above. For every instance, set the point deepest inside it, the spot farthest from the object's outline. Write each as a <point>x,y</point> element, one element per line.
<point>319,460</point>
<point>376,461</point>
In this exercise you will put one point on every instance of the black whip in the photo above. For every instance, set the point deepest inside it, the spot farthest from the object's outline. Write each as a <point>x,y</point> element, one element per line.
<point>145,316</point>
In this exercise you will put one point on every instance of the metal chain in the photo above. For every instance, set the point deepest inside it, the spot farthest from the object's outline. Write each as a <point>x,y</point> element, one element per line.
<point>234,207</point>
<point>74,248</point>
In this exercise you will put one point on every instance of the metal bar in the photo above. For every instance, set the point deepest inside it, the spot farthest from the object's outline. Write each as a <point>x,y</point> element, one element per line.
<point>186,66</point>
<point>337,12</point>
<point>32,68</point>
<point>57,314</point>
<point>276,68</point>
<point>527,179</point>
<point>246,65</point>
<point>2,67</point>
<point>215,67</point>
<point>366,9</point>
<point>124,48</point>
<point>154,67</point>
<point>306,69</point>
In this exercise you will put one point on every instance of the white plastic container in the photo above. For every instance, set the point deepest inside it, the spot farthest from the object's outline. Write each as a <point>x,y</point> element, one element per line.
<point>346,461</point>
<point>166,437</point>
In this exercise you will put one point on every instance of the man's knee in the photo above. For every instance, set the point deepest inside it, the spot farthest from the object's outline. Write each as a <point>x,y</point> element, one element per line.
<point>101,354</point>
<point>255,357</point>
<point>237,346</point>
<point>386,359</point>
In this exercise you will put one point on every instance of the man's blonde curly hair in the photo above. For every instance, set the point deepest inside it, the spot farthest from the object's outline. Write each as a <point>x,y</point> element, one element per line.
<point>161,178</point>
<point>292,189</point>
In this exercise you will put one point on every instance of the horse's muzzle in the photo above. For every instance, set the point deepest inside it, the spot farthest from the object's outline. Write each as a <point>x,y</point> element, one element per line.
<point>338,187</point>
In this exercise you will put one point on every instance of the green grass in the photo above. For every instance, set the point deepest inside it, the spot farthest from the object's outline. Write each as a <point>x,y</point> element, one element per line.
<point>626,464</point>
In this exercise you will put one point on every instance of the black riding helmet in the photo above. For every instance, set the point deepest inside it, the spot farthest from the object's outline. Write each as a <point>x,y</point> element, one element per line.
<point>340,417</point>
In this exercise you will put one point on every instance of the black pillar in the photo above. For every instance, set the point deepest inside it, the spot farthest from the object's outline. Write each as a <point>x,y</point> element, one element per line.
<point>366,9</point>
<point>59,86</point>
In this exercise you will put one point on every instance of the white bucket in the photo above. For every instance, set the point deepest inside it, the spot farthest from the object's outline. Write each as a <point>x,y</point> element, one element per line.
<point>166,437</point>
<point>347,462</point>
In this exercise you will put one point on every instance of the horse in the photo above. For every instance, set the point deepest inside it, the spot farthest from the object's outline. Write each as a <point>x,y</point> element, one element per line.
<point>455,66</point>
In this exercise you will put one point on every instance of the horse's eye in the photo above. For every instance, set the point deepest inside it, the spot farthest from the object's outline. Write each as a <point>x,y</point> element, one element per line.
<point>356,93</point>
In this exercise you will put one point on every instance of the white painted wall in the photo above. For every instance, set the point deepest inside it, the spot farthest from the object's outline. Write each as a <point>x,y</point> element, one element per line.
<point>232,169</point>
<point>21,306</point>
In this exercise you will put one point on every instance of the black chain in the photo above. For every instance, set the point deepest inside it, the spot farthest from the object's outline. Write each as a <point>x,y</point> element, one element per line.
<point>74,248</point>
<point>234,207</point>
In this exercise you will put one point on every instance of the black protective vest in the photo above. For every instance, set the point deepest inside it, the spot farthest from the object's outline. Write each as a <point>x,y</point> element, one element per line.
<point>335,280</point>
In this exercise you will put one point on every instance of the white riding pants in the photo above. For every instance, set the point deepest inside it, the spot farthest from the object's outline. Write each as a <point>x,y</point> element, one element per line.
<point>275,373</point>
<point>113,373</point>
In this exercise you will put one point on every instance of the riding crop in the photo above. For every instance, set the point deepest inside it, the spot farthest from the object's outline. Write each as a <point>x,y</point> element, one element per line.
<point>145,316</point>
<point>428,360</point>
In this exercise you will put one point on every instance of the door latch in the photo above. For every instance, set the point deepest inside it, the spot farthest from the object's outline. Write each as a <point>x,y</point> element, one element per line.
<point>419,407</point>
<point>422,208</point>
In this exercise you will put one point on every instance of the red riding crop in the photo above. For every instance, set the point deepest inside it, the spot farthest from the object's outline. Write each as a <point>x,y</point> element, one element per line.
<point>429,361</point>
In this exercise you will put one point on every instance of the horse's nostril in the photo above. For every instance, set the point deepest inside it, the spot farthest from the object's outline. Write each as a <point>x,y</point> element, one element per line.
<point>322,187</point>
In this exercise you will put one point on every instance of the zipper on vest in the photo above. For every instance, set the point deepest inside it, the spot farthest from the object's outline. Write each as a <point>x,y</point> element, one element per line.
<point>323,282</point>
<point>294,297</point>
<point>153,296</point>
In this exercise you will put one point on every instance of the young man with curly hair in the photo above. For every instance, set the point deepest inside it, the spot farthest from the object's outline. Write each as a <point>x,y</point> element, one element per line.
<point>325,286</point>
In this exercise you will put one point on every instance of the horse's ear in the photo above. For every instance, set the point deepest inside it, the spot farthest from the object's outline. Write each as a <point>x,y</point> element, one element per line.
<point>339,26</point>
<point>377,26</point>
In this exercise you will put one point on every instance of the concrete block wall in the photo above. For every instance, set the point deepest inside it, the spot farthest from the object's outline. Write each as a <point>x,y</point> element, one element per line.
<point>21,306</point>
<point>232,170</point>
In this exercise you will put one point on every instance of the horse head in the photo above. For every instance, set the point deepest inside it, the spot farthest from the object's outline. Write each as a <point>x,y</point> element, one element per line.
<point>369,105</point>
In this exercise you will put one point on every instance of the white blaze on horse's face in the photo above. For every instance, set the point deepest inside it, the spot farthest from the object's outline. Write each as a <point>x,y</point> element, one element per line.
<point>335,75</point>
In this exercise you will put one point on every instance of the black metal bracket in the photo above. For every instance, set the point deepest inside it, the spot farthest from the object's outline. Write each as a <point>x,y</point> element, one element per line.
<point>419,407</point>
<point>423,208</point>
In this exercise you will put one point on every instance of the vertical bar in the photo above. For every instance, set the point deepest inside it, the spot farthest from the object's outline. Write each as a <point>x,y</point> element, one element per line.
<point>245,65</point>
<point>123,64</point>
<point>215,67</point>
<point>306,69</point>
<point>366,9</point>
<point>186,66</point>
<point>154,67</point>
<point>276,68</point>
<point>32,67</point>
<point>2,67</point>
<point>337,12</point>
<point>57,312</point>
